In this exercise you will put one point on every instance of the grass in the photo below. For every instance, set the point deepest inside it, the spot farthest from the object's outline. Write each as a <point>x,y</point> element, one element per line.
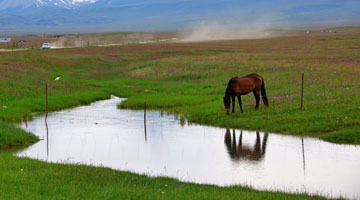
<point>336,39</point>
<point>10,136</point>
<point>188,79</point>
<point>22,178</point>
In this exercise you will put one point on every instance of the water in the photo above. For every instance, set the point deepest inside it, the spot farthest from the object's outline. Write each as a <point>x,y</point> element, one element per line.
<point>102,135</point>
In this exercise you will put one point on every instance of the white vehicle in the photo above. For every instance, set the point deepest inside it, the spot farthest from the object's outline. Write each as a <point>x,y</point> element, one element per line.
<point>46,46</point>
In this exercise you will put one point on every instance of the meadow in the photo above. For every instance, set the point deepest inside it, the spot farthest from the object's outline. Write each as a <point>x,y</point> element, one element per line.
<point>188,79</point>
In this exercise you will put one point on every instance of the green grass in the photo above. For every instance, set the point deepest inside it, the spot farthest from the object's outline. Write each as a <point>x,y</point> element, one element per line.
<point>18,108</point>
<point>10,136</point>
<point>188,81</point>
<point>23,178</point>
<point>192,82</point>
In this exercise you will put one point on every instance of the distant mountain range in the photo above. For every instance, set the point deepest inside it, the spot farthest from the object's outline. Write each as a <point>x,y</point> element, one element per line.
<point>67,4</point>
<point>62,16</point>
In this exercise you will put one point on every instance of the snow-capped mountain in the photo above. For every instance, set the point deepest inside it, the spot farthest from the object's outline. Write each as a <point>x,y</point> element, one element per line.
<point>7,4</point>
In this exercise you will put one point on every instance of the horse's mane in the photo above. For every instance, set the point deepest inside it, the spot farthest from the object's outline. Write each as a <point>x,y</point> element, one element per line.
<point>229,89</point>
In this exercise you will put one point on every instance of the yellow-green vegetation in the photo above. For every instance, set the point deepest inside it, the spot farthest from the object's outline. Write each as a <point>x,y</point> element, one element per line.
<point>184,78</point>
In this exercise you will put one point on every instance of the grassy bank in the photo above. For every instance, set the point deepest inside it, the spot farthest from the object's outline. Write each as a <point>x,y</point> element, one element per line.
<point>183,78</point>
<point>11,136</point>
<point>29,179</point>
<point>190,79</point>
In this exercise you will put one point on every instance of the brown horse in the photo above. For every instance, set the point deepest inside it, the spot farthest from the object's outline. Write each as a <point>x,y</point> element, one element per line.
<point>242,86</point>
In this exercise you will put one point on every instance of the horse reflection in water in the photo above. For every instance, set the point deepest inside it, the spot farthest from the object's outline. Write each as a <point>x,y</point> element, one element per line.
<point>239,151</point>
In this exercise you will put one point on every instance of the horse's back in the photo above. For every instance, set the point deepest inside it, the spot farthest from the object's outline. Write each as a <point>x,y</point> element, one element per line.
<point>246,84</point>
<point>243,85</point>
<point>258,80</point>
<point>254,76</point>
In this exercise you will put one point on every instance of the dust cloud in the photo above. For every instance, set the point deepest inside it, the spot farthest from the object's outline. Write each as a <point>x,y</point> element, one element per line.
<point>106,39</point>
<point>60,43</point>
<point>70,42</point>
<point>216,31</point>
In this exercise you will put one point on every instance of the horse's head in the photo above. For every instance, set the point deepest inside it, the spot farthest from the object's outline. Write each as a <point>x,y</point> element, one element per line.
<point>227,104</point>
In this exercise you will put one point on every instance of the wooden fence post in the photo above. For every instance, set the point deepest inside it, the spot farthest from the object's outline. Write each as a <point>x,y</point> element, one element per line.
<point>47,108</point>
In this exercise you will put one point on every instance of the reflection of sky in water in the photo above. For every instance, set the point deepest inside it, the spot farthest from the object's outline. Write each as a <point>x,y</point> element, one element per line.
<point>100,134</point>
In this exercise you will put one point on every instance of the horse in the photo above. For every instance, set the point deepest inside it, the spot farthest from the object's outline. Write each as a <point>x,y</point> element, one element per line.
<point>242,86</point>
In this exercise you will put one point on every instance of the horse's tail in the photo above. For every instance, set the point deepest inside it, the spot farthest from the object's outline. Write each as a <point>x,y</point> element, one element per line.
<point>263,94</point>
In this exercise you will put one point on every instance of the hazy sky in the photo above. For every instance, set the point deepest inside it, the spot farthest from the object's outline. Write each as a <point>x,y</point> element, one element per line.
<point>121,15</point>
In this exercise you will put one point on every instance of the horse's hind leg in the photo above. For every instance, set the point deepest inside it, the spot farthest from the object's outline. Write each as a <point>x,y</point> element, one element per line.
<point>257,97</point>
<point>233,103</point>
<point>239,100</point>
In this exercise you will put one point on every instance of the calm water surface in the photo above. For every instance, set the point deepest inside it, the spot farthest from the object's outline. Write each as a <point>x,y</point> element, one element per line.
<point>102,135</point>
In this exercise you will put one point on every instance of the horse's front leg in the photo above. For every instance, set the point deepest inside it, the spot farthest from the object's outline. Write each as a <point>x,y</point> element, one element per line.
<point>233,103</point>
<point>240,104</point>
<point>257,97</point>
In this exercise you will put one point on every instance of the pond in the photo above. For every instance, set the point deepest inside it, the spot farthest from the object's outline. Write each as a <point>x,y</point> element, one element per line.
<point>102,135</point>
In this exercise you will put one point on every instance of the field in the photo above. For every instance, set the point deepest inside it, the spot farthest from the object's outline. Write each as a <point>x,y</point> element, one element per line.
<point>187,79</point>
<point>84,40</point>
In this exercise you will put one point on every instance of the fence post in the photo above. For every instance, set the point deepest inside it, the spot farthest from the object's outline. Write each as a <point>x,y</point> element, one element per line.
<point>26,120</point>
<point>302,91</point>
<point>47,108</point>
